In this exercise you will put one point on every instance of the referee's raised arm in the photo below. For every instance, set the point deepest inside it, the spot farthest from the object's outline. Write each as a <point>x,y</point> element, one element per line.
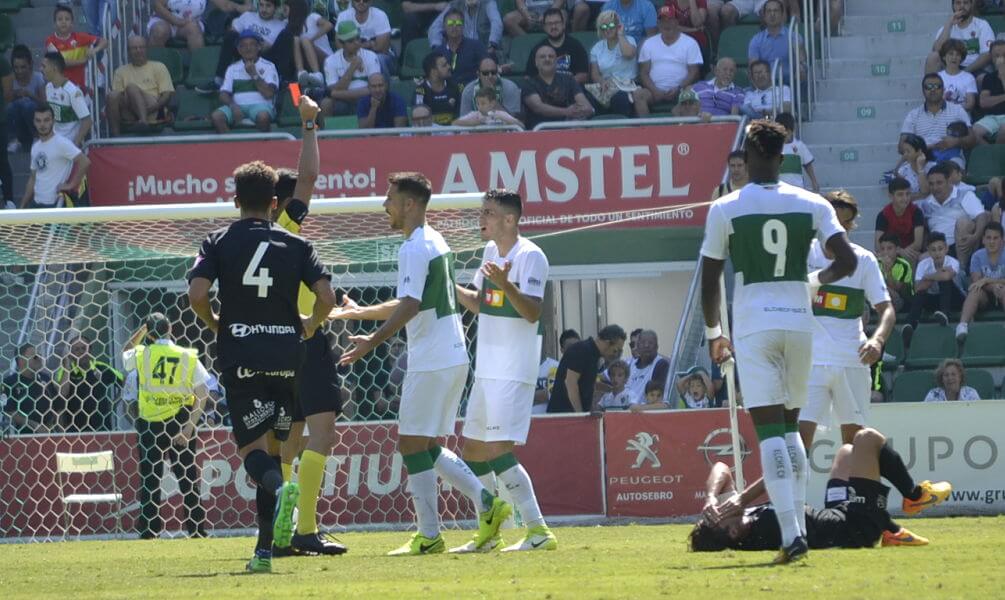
<point>309,165</point>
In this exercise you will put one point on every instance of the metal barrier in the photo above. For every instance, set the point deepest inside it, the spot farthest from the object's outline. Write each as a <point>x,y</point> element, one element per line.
<point>550,125</point>
<point>406,131</point>
<point>182,139</point>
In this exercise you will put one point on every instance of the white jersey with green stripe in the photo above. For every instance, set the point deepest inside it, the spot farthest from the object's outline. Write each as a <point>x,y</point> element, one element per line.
<point>767,230</point>
<point>838,308</point>
<point>509,345</point>
<point>426,273</point>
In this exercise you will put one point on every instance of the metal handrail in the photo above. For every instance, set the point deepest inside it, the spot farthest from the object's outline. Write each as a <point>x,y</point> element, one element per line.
<point>777,88</point>
<point>178,139</point>
<point>634,122</point>
<point>398,131</point>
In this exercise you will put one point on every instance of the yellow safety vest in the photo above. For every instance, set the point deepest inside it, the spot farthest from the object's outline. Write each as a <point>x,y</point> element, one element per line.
<point>165,373</point>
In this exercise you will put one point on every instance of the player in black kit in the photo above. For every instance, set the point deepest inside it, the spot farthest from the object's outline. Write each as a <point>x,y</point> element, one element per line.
<point>855,514</point>
<point>260,267</point>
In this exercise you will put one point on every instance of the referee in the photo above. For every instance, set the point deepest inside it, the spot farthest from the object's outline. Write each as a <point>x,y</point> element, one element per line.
<point>168,383</point>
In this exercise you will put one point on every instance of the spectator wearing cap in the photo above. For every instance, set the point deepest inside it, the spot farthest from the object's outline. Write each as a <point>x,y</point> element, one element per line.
<point>932,120</point>
<point>720,96</point>
<point>670,61</point>
<point>348,71</point>
<point>637,16</point>
<point>689,105</point>
<point>761,99</point>
<point>462,53</point>
<point>374,31</point>
<point>974,32</point>
<point>772,42</point>
<point>992,99</point>
<point>482,22</point>
<point>249,88</point>
<point>141,90</point>
<point>955,213</point>
<point>614,67</point>
<point>554,96</point>
<point>383,108</point>
<point>275,43</point>
<point>489,76</point>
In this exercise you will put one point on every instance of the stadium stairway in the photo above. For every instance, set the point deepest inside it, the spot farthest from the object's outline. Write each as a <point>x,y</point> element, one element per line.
<point>873,80</point>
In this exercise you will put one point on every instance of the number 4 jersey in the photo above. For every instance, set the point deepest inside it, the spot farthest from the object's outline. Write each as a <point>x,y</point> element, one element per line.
<point>426,273</point>
<point>260,267</point>
<point>767,231</point>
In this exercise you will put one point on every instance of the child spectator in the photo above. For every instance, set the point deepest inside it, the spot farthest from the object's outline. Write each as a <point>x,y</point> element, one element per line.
<point>796,157</point>
<point>896,271</point>
<point>960,86</point>
<point>902,220</point>
<point>619,397</point>
<point>76,47</point>
<point>654,398</point>
<point>916,161</point>
<point>489,112</point>
<point>695,388</point>
<point>936,286</point>
<point>950,383</point>
<point>987,279</point>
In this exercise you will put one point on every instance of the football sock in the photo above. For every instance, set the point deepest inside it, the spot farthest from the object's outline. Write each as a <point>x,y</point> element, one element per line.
<point>456,472</point>
<point>517,482</point>
<point>311,473</point>
<point>287,470</point>
<point>778,480</point>
<point>264,470</point>
<point>483,471</point>
<point>893,469</point>
<point>801,475</point>
<point>265,502</point>
<point>425,495</point>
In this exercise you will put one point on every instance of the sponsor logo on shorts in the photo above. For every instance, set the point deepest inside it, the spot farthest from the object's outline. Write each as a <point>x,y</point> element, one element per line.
<point>243,373</point>
<point>262,412</point>
<point>242,330</point>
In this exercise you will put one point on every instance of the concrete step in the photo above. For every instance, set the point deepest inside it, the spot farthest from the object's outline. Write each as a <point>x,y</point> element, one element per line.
<point>849,174</point>
<point>825,152</point>
<point>878,88</point>
<point>864,131</point>
<point>865,111</point>
<point>896,7</point>
<point>876,68</point>
<point>871,46</point>
<point>895,23</point>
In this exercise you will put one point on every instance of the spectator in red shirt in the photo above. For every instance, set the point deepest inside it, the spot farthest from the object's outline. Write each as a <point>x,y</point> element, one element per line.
<point>692,16</point>
<point>903,219</point>
<point>76,47</point>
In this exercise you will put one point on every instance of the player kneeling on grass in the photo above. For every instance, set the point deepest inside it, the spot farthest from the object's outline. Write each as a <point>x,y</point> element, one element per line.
<point>855,513</point>
<point>510,290</point>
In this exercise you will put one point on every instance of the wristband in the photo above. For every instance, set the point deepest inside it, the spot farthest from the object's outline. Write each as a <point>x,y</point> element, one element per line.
<point>712,333</point>
<point>309,125</point>
<point>813,279</point>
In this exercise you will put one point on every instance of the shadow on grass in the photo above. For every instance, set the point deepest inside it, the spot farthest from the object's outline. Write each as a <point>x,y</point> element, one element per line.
<point>725,567</point>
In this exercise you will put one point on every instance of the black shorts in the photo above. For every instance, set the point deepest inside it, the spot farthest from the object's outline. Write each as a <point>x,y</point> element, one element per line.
<point>857,522</point>
<point>317,380</point>
<point>259,402</point>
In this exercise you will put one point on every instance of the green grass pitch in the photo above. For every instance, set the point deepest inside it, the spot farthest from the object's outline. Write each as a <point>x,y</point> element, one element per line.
<point>965,560</point>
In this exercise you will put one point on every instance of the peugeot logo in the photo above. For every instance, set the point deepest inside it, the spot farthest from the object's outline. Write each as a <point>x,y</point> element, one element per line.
<point>719,444</point>
<point>643,444</point>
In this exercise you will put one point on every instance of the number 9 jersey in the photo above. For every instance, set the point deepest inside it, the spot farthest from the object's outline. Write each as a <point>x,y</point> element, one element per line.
<point>767,231</point>
<point>260,267</point>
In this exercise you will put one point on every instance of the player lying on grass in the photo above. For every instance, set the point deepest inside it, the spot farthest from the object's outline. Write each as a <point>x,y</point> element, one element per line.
<point>855,515</point>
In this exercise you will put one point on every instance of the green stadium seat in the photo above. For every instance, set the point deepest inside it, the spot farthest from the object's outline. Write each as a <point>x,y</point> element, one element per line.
<point>202,68</point>
<point>742,78</point>
<point>519,51</point>
<point>991,315</point>
<point>985,345</point>
<point>393,10</point>
<point>982,381</point>
<point>895,347</point>
<point>913,386</point>
<point>587,38</point>
<point>930,345</point>
<point>172,60</point>
<point>985,162</point>
<point>997,22</point>
<point>346,122</point>
<point>754,19</point>
<point>416,50</point>
<point>10,6</point>
<point>7,35</point>
<point>406,89</point>
<point>194,110</point>
<point>735,41</point>
<point>288,115</point>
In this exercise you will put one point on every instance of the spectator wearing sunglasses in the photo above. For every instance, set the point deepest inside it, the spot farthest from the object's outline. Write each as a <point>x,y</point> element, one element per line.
<point>463,53</point>
<point>489,77</point>
<point>482,22</point>
<point>932,119</point>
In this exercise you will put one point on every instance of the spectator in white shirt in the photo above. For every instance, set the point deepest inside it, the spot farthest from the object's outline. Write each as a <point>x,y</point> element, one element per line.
<point>348,71</point>
<point>374,31</point>
<point>620,397</point>
<point>957,214</point>
<point>249,88</point>
<point>960,86</point>
<point>310,42</point>
<point>936,286</point>
<point>182,19</point>
<point>57,165</point>
<point>932,119</point>
<point>670,61</point>
<point>974,32</point>
<point>759,101</point>
<point>950,383</point>
<point>276,43</point>
<point>614,66</point>
<point>489,112</point>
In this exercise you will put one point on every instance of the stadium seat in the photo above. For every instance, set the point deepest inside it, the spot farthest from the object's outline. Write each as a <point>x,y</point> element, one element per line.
<point>7,36</point>
<point>985,162</point>
<point>194,110</point>
<point>985,345</point>
<point>288,115</point>
<point>202,69</point>
<point>982,381</point>
<point>519,51</point>
<point>735,41</point>
<point>997,22</point>
<point>346,122</point>
<point>393,10</point>
<point>894,347</point>
<point>930,345</point>
<point>991,315</point>
<point>406,89</point>
<point>416,50</point>
<point>10,6</point>
<point>171,59</point>
<point>587,38</point>
<point>742,78</point>
<point>912,386</point>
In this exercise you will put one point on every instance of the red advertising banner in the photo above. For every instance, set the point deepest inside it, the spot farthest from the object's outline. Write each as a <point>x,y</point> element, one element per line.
<point>364,481</point>
<point>567,177</point>
<point>657,463</point>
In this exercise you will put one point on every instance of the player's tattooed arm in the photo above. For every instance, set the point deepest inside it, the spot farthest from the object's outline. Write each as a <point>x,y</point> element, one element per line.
<point>198,297</point>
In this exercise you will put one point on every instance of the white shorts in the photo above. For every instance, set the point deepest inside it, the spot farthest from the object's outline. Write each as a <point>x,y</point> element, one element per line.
<point>846,389</point>
<point>174,30</point>
<point>774,367</point>
<point>429,401</point>
<point>499,411</point>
